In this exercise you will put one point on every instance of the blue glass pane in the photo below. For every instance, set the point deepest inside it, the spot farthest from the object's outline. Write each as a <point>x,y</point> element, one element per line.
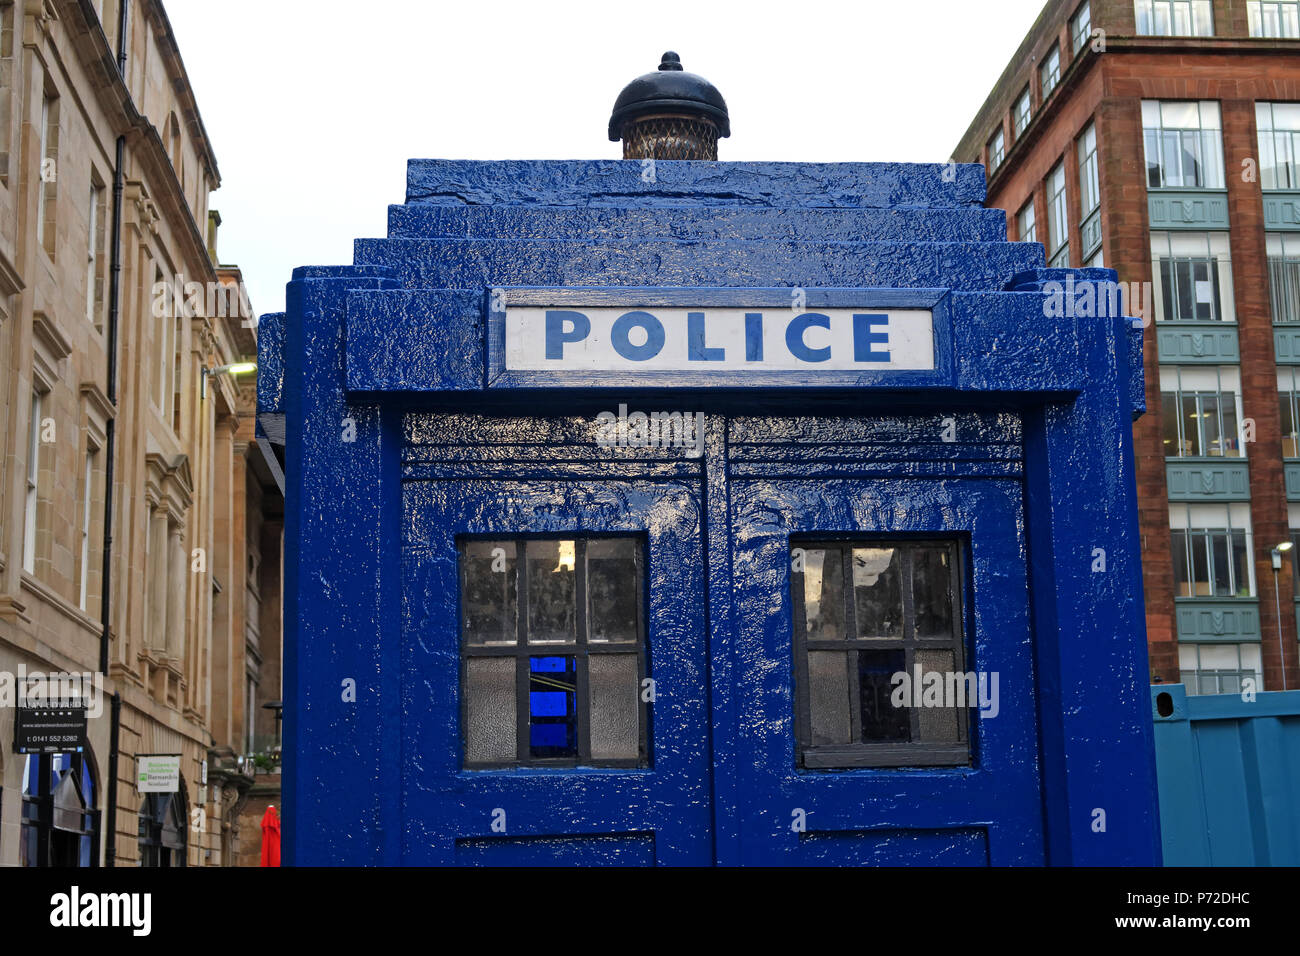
<point>87,785</point>
<point>552,706</point>
<point>549,735</point>
<point>548,703</point>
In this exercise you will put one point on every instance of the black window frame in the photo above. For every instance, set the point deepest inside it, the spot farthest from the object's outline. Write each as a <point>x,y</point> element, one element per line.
<point>154,808</point>
<point>581,650</point>
<point>911,753</point>
<point>37,810</point>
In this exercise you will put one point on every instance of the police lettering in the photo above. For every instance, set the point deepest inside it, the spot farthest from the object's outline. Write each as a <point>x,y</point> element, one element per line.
<point>639,336</point>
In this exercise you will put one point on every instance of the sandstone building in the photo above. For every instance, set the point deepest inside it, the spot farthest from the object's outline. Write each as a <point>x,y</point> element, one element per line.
<point>139,515</point>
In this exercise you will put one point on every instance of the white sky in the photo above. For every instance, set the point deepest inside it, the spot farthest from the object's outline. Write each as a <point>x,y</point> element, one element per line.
<point>314,106</point>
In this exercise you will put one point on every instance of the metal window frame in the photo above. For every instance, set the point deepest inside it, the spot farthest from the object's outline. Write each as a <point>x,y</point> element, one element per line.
<point>912,753</point>
<point>1020,120</point>
<point>1050,70</point>
<point>581,650</point>
<point>1079,38</point>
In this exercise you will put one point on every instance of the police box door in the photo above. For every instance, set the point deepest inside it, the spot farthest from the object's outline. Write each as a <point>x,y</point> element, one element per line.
<point>554,682</point>
<point>882,661</point>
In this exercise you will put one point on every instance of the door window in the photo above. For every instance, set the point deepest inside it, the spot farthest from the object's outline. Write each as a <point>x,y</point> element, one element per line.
<point>879,655</point>
<point>553,652</point>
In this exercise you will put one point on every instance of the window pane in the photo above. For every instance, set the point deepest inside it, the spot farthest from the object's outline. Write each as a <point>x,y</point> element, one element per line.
<point>612,590</point>
<point>1220,564</point>
<point>490,605</point>
<point>1182,576</point>
<point>932,592</point>
<point>551,592</point>
<point>490,710</point>
<point>823,594</point>
<point>877,591</point>
<point>829,700</point>
<point>1286,411</point>
<point>1240,563</point>
<point>1200,550</point>
<point>1169,404</point>
<point>881,720</point>
<point>940,724</point>
<point>615,706</point>
<point>552,707</point>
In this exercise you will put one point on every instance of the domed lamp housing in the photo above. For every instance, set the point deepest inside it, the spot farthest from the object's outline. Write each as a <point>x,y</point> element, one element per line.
<point>669,114</point>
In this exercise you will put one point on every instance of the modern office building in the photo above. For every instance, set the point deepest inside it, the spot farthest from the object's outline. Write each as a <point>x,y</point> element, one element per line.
<point>1161,138</point>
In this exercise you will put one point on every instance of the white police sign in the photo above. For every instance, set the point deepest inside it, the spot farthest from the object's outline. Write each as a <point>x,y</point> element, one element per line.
<point>688,339</point>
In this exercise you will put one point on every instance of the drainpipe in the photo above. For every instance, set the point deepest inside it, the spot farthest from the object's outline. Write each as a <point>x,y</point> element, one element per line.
<point>106,578</point>
<point>115,730</point>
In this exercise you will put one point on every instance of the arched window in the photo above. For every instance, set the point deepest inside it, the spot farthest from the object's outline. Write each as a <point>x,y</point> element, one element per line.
<point>60,824</point>
<point>162,828</point>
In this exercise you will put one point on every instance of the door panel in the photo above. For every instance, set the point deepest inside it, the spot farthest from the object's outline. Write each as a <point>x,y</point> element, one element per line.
<point>986,812</point>
<point>521,816</point>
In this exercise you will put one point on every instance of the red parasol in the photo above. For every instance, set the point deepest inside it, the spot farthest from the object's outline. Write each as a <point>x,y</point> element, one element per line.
<point>271,837</point>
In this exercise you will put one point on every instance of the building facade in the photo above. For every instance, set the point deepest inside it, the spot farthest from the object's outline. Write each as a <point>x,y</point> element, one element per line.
<point>1161,139</point>
<point>139,535</point>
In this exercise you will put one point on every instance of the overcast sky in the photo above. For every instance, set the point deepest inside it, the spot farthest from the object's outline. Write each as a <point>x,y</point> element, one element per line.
<point>314,106</point>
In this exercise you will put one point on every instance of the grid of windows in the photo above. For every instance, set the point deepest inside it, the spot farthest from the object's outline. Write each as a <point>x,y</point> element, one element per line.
<point>1284,275</point>
<point>1080,27</point>
<point>1192,274</point>
<point>868,616</point>
<point>1058,218</point>
<point>552,652</point>
<point>1026,227</point>
<point>1184,147</point>
<point>1174,18</point>
<point>1211,547</point>
<point>1219,668</point>
<point>1049,74</point>
<point>1021,112</point>
<point>1273,18</point>
<point>1201,408</point>
<point>1278,127</point>
<point>997,150</point>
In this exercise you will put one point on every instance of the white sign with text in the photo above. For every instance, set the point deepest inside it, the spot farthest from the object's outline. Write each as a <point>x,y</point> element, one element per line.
<point>539,338</point>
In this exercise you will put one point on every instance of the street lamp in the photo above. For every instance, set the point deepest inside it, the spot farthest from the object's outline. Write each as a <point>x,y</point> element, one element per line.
<point>234,368</point>
<point>1277,603</point>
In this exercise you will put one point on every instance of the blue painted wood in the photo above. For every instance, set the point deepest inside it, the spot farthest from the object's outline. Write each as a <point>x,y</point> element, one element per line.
<point>478,264</point>
<point>397,442</point>
<point>618,224</point>
<point>1229,777</point>
<point>668,183</point>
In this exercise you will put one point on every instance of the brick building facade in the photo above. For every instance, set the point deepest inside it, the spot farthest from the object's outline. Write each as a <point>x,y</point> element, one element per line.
<point>1158,138</point>
<point>114,310</point>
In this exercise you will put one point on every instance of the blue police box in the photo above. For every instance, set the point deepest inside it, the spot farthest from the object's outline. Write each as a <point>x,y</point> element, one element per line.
<point>693,512</point>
